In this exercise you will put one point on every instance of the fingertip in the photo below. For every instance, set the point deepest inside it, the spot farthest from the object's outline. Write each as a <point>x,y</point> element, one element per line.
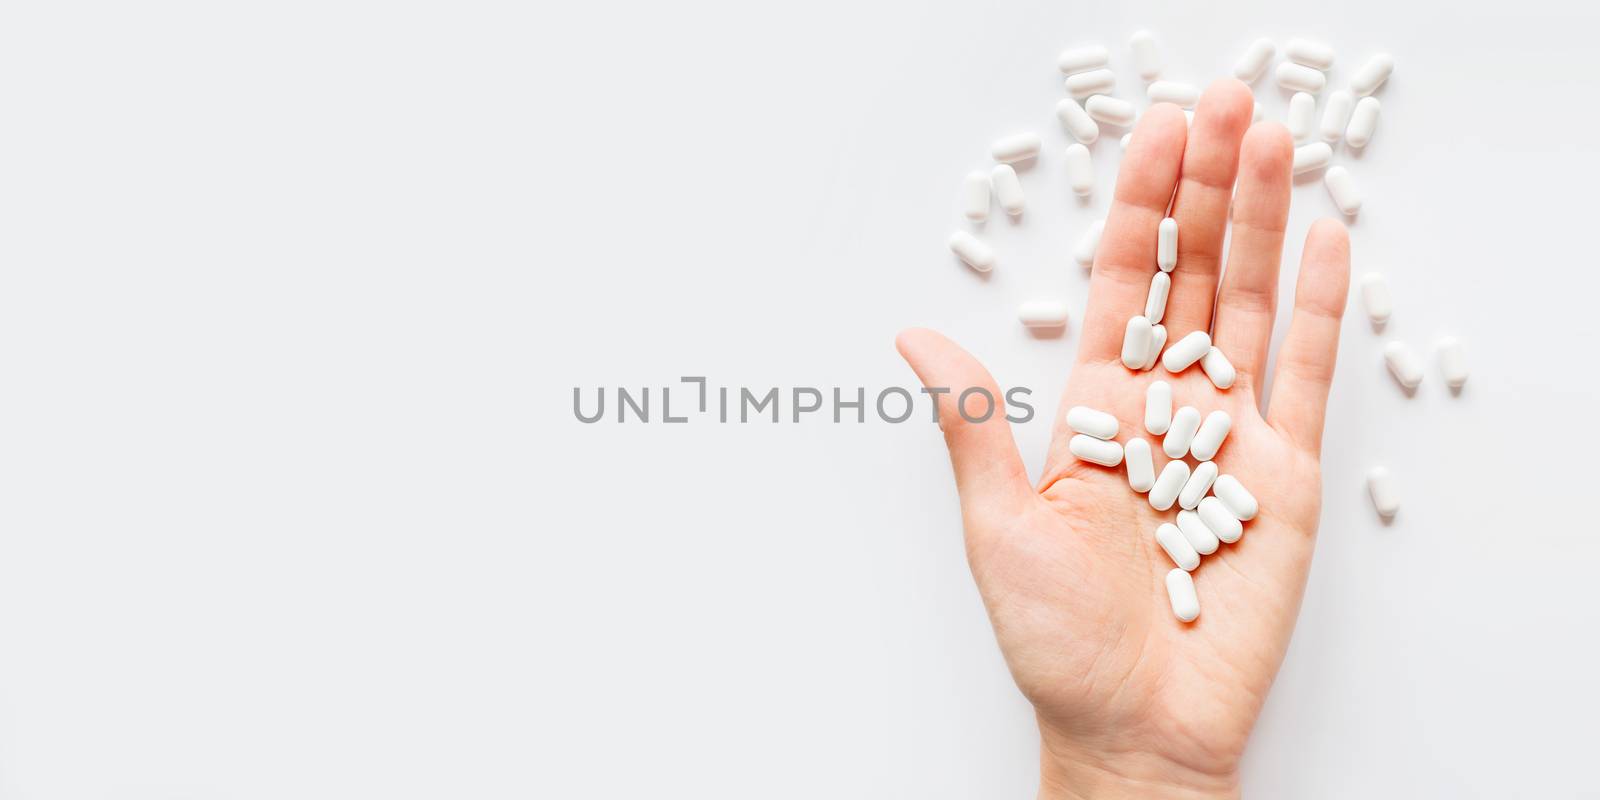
<point>1330,231</point>
<point>1229,100</point>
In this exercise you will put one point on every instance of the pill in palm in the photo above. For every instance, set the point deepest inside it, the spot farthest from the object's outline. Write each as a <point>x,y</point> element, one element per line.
<point>1302,116</point>
<point>1452,362</point>
<point>1014,148</point>
<point>1404,364</point>
<point>1363,122</point>
<point>1237,499</point>
<point>1096,81</point>
<point>1092,421</point>
<point>1312,54</point>
<point>1168,484</point>
<point>1375,298</point>
<point>1342,187</point>
<point>1183,95</point>
<point>1208,440</point>
<point>1372,74</point>
<point>1147,59</point>
<point>1096,451</point>
<point>971,250</point>
<point>1135,342</point>
<point>1080,170</point>
<point>1158,340</point>
<point>1180,593</point>
<point>1299,78</point>
<point>1218,368</point>
<point>1083,253</point>
<point>1155,303</point>
<point>1043,313</point>
<point>1141,467</point>
<point>1199,535</point>
<point>1385,497</point>
<point>1336,114</point>
<point>1167,244</point>
<point>1178,548</point>
<point>1180,434</point>
<point>1007,189</point>
<point>1111,110</point>
<point>975,196</point>
<point>1186,351</point>
<point>1220,520</point>
<point>1312,157</point>
<point>1158,407</point>
<point>1255,60</point>
<point>1200,481</point>
<point>1077,121</point>
<point>1083,59</point>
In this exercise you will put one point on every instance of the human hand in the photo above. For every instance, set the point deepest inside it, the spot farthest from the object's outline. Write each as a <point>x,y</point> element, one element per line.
<point>1131,701</point>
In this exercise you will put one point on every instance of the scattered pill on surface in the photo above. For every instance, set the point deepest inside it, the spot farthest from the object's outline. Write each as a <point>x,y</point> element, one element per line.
<point>1007,189</point>
<point>1385,497</point>
<point>1099,81</point>
<point>1403,363</point>
<point>1141,467</point>
<point>1097,451</point>
<point>1213,432</point>
<point>1082,59</point>
<point>1235,498</point>
<point>1083,253</point>
<point>1183,95</point>
<point>1167,244</point>
<point>1014,148</point>
<point>1171,480</point>
<point>1342,188</point>
<point>1158,340</point>
<point>1302,116</point>
<point>1188,350</point>
<point>1135,342</point>
<point>1312,54</point>
<point>1363,122</point>
<point>1220,520</point>
<point>1126,139</point>
<point>1080,170</point>
<point>1255,60</point>
<point>1093,422</point>
<point>1147,60</point>
<point>1218,368</point>
<point>1297,78</point>
<point>1155,303</point>
<point>1077,121</point>
<point>1180,593</point>
<point>1197,532</point>
<point>1312,157</point>
<point>1200,480</point>
<point>1337,114</point>
<point>1185,422</point>
<point>1178,548</point>
<point>1372,74</point>
<point>1158,407</point>
<point>974,252</point>
<point>1375,298</point>
<point>1043,313</point>
<point>1452,362</point>
<point>975,196</point>
<point>1111,110</point>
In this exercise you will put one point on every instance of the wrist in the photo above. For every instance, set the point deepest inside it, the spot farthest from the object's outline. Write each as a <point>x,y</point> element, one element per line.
<point>1070,771</point>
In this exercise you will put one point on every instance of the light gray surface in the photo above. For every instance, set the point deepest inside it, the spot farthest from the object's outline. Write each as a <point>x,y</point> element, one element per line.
<point>296,295</point>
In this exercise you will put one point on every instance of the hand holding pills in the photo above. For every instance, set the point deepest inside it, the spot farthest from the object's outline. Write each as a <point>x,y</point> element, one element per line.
<point>1095,591</point>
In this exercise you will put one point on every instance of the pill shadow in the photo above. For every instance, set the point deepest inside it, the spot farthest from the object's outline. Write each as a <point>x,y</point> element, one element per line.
<point>964,267</point>
<point>1058,332</point>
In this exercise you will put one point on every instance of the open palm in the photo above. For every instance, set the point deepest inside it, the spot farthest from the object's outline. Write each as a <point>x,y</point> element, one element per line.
<point>1130,700</point>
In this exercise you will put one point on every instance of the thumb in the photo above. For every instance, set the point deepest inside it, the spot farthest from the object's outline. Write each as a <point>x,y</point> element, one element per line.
<point>988,469</point>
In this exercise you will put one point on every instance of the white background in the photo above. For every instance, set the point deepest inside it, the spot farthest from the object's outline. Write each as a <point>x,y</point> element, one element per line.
<point>295,295</point>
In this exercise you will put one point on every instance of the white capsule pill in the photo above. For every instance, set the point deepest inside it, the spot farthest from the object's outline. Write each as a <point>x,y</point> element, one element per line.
<point>1312,157</point>
<point>1077,121</point>
<point>1155,303</point>
<point>1185,422</point>
<point>1220,520</point>
<point>1099,81</point>
<point>1198,484</point>
<point>1096,451</point>
<point>1043,313</point>
<point>1297,78</point>
<point>1337,114</point>
<point>1452,362</point>
<point>971,250</point>
<point>975,196</point>
<point>1092,421</point>
<point>1178,548</point>
<point>1014,148</point>
<point>1125,140</point>
<point>1404,364</point>
<point>1183,95</point>
<point>1363,122</point>
<point>1171,480</point>
<point>1158,340</point>
<point>1141,468</point>
<point>1082,59</point>
<point>1342,188</point>
<point>1080,170</point>
<point>1312,54</point>
<point>1111,110</point>
<point>1147,60</point>
<point>1194,529</point>
<point>1158,408</point>
<point>1208,440</point>
<point>1237,499</point>
<point>1135,342</point>
<point>1218,368</point>
<point>1180,593</point>
<point>1302,116</point>
<point>1385,497</point>
<point>1372,74</point>
<point>1007,189</point>
<point>1375,297</point>
<point>1083,253</point>
<point>1167,244</point>
<point>1186,351</point>
<point>1255,60</point>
